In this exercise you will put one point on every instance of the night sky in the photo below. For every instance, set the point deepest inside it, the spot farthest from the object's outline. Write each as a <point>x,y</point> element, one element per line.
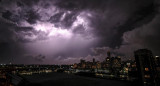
<point>65,31</point>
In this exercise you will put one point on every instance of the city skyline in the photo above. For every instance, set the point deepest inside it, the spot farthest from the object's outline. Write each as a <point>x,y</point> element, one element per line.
<point>144,71</point>
<point>63,32</point>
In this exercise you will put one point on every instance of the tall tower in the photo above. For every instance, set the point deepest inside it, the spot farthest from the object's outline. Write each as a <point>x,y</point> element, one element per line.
<point>94,60</point>
<point>109,54</point>
<point>108,60</point>
<point>108,57</point>
<point>146,67</point>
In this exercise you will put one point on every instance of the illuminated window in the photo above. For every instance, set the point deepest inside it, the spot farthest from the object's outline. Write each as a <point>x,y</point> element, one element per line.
<point>128,63</point>
<point>147,76</point>
<point>146,69</point>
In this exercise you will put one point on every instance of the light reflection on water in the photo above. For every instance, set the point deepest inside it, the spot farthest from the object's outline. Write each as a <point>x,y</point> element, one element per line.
<point>34,72</point>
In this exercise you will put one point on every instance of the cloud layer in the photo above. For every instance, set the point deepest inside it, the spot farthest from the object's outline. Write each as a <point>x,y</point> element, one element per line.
<point>65,31</point>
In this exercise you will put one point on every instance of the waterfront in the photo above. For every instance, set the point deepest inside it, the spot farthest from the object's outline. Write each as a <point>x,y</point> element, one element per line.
<point>63,79</point>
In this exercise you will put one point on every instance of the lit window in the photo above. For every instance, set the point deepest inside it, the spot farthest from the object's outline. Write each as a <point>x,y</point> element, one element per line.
<point>146,69</point>
<point>128,63</point>
<point>147,76</point>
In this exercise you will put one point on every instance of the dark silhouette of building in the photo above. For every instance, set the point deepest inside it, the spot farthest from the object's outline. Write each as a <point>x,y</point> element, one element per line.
<point>146,67</point>
<point>94,60</point>
<point>82,61</point>
<point>109,54</point>
<point>157,59</point>
<point>107,63</point>
<point>116,62</point>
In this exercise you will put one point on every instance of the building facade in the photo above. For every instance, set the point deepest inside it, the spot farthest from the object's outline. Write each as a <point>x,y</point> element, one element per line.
<point>146,67</point>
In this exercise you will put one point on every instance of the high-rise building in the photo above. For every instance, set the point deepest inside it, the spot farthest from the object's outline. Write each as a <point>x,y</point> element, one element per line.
<point>157,59</point>
<point>117,62</point>
<point>146,67</point>
<point>93,60</point>
<point>109,54</point>
<point>82,61</point>
<point>107,61</point>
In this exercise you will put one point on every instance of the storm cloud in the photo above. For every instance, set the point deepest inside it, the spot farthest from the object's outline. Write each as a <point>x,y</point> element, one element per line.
<point>65,31</point>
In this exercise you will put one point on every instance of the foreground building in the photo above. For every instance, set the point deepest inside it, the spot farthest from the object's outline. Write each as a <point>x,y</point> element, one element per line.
<point>146,67</point>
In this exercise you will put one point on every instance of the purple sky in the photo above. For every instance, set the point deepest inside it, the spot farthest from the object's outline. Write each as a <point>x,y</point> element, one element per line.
<point>65,31</point>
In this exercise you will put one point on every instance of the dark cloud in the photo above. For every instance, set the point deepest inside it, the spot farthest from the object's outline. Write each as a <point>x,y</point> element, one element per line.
<point>34,59</point>
<point>66,22</point>
<point>69,28</point>
<point>56,18</point>
<point>32,17</point>
<point>81,4</point>
<point>28,2</point>
<point>145,36</point>
<point>39,58</point>
<point>7,15</point>
<point>112,18</point>
<point>9,45</point>
<point>69,19</point>
<point>111,28</point>
<point>79,30</point>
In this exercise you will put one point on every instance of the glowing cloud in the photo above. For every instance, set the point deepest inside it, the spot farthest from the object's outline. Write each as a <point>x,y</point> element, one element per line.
<point>82,19</point>
<point>52,31</point>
